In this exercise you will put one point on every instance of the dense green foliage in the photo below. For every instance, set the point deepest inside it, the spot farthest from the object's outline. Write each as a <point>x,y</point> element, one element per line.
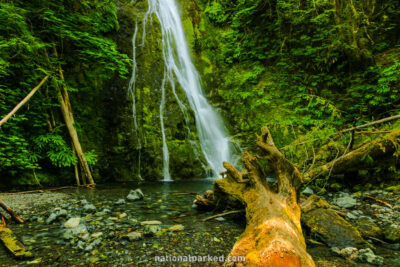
<point>303,66</point>
<point>36,37</point>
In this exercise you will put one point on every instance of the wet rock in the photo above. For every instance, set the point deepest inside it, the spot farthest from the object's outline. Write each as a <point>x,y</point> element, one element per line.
<point>94,244</point>
<point>367,227</point>
<point>150,223</point>
<point>134,236</point>
<point>96,235</point>
<point>307,191</point>
<point>349,252</point>
<point>85,237</point>
<point>368,256</point>
<point>89,207</point>
<point>346,202</point>
<point>51,218</point>
<point>81,244</point>
<point>68,235</point>
<point>362,255</point>
<point>120,201</point>
<point>392,233</point>
<point>331,228</point>
<point>79,230</point>
<point>135,195</point>
<point>152,229</point>
<point>72,223</point>
<point>60,212</point>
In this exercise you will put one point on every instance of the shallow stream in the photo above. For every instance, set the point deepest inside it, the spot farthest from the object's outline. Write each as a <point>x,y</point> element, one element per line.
<point>108,224</point>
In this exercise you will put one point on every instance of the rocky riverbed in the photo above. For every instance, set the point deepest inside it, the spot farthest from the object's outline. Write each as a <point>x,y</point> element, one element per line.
<point>123,226</point>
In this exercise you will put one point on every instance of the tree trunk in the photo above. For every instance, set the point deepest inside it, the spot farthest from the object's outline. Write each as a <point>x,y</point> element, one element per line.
<point>273,236</point>
<point>69,121</point>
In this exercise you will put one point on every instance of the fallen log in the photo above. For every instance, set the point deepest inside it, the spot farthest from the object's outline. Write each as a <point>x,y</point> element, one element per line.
<point>273,235</point>
<point>362,158</point>
<point>10,211</point>
<point>12,244</point>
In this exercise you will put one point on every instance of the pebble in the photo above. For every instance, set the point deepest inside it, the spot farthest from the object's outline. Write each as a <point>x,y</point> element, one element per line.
<point>72,223</point>
<point>135,195</point>
<point>89,207</point>
<point>134,236</point>
<point>346,202</point>
<point>308,191</point>
<point>120,201</point>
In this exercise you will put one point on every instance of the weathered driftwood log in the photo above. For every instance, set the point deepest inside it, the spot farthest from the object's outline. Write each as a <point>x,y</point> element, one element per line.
<point>11,242</point>
<point>273,236</point>
<point>10,211</point>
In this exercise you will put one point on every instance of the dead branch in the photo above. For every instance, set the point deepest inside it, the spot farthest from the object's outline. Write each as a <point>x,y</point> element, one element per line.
<point>23,102</point>
<point>223,214</point>
<point>10,211</point>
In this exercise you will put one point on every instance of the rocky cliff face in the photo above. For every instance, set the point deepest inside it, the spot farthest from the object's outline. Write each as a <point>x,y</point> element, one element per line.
<point>121,144</point>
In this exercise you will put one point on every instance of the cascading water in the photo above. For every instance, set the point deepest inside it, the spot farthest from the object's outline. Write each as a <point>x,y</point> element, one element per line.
<point>167,176</point>
<point>213,141</point>
<point>132,95</point>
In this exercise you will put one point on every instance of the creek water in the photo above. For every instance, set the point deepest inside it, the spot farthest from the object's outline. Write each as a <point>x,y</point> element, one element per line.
<point>170,203</point>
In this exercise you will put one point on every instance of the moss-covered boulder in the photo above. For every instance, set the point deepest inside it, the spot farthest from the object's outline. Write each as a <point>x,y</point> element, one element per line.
<point>367,227</point>
<point>328,226</point>
<point>392,233</point>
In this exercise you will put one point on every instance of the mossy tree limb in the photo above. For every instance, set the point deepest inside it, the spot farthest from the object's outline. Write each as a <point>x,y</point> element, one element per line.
<point>11,242</point>
<point>369,155</point>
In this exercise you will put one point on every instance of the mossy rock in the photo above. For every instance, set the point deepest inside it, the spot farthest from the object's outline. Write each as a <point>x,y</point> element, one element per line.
<point>392,234</point>
<point>332,229</point>
<point>367,227</point>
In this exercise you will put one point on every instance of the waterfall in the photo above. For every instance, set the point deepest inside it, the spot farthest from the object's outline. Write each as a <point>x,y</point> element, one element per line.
<point>167,176</point>
<point>179,66</point>
<point>132,95</point>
